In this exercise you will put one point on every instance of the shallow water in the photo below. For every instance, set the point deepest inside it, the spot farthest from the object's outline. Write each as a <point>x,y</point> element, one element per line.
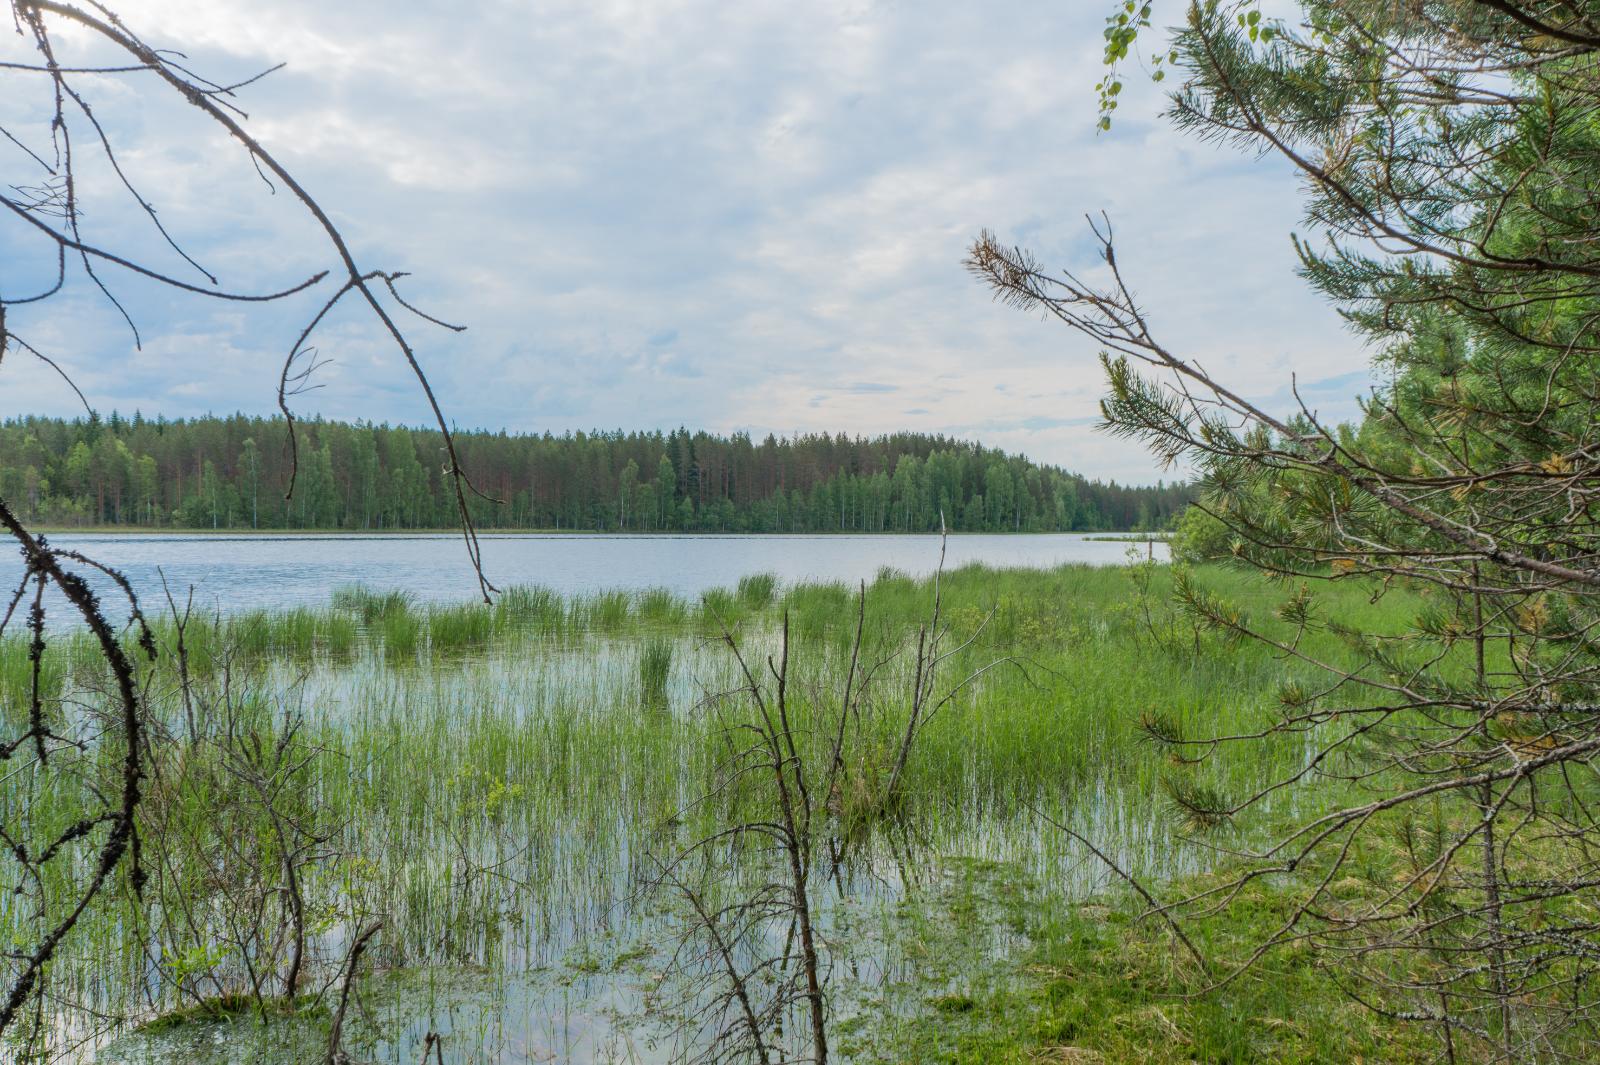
<point>244,572</point>
<point>514,919</point>
<point>579,971</point>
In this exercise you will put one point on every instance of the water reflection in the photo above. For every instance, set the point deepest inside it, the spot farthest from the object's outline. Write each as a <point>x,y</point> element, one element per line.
<point>525,936</point>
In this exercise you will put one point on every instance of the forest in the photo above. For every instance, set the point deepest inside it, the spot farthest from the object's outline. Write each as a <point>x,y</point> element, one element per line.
<point>234,473</point>
<point>1314,780</point>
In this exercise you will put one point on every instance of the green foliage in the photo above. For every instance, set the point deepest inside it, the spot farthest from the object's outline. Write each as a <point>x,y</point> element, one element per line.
<point>755,590</point>
<point>530,606</point>
<point>1200,537</point>
<point>494,803</point>
<point>454,628</point>
<point>211,473</point>
<point>1448,152</point>
<point>400,633</point>
<point>660,606</point>
<point>1103,981</point>
<point>655,667</point>
<point>369,605</point>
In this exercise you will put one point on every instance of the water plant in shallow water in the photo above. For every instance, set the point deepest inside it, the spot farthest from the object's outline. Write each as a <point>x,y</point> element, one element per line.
<point>497,807</point>
<point>655,667</point>
<point>369,605</point>
<point>755,590</point>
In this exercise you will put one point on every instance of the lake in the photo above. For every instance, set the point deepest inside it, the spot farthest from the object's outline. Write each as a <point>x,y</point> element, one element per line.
<point>251,571</point>
<point>503,788</point>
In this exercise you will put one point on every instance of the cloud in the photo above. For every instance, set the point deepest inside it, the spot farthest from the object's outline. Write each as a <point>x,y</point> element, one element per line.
<point>792,187</point>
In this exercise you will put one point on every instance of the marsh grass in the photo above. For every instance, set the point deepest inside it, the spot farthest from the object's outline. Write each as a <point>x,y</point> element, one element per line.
<point>398,633</point>
<point>755,590</point>
<point>719,607</point>
<point>1005,977</point>
<point>370,605</point>
<point>526,607</point>
<point>659,606</point>
<point>496,806</point>
<point>602,611</point>
<point>300,633</point>
<point>655,667</point>
<point>17,677</point>
<point>459,628</point>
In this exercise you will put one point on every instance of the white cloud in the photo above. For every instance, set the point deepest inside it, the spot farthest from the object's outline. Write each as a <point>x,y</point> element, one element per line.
<point>784,190</point>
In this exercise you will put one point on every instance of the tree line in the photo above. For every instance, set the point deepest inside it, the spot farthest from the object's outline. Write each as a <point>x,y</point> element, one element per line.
<point>234,473</point>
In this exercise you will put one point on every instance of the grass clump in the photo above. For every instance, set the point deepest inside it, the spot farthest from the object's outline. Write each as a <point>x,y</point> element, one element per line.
<point>818,608</point>
<point>217,1008</point>
<point>756,590</point>
<point>529,606</point>
<point>459,628</point>
<point>604,611</point>
<point>369,605</point>
<point>719,607</point>
<point>399,634</point>
<point>660,606</point>
<point>16,675</point>
<point>655,667</point>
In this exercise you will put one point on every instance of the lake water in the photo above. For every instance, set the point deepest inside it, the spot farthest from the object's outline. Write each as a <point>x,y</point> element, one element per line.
<point>502,809</point>
<point>243,572</point>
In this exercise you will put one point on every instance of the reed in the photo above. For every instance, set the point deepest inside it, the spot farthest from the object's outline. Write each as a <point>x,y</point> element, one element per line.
<point>603,611</point>
<point>369,605</point>
<point>497,806</point>
<point>524,607</point>
<point>660,607</point>
<point>459,628</point>
<point>655,668</point>
<point>755,590</point>
<point>399,632</point>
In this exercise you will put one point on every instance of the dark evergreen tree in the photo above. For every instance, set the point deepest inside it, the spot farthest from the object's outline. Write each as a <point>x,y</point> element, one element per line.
<point>1450,150</point>
<point>229,473</point>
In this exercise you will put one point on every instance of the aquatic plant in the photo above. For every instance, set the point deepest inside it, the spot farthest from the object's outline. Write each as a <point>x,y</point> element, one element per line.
<point>602,611</point>
<point>655,667</point>
<point>660,606</point>
<point>497,806</point>
<point>456,628</point>
<point>369,605</point>
<point>399,633</point>
<point>755,590</point>
<point>524,605</point>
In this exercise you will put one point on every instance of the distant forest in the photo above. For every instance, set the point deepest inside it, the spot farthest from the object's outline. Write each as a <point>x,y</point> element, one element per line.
<point>231,473</point>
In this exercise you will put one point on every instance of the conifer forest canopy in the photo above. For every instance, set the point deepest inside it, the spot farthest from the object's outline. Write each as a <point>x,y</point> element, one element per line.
<point>231,473</point>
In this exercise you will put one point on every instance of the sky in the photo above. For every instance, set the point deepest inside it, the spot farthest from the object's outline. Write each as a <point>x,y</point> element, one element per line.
<point>728,216</point>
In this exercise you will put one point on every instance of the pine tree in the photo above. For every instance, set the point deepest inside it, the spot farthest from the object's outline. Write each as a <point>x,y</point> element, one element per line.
<point>1451,157</point>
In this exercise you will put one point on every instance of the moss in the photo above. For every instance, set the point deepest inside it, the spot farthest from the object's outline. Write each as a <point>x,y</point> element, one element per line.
<point>228,1007</point>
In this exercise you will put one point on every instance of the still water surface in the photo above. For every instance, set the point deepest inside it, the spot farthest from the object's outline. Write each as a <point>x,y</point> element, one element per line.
<point>237,573</point>
<point>559,955</point>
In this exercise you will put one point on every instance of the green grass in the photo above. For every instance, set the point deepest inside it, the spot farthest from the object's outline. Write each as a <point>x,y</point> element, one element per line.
<point>603,611</point>
<point>655,667</point>
<point>755,590</point>
<point>1093,982</point>
<point>659,606</point>
<point>524,607</point>
<point>369,605</point>
<point>459,628</point>
<point>495,806</point>
<point>397,633</point>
